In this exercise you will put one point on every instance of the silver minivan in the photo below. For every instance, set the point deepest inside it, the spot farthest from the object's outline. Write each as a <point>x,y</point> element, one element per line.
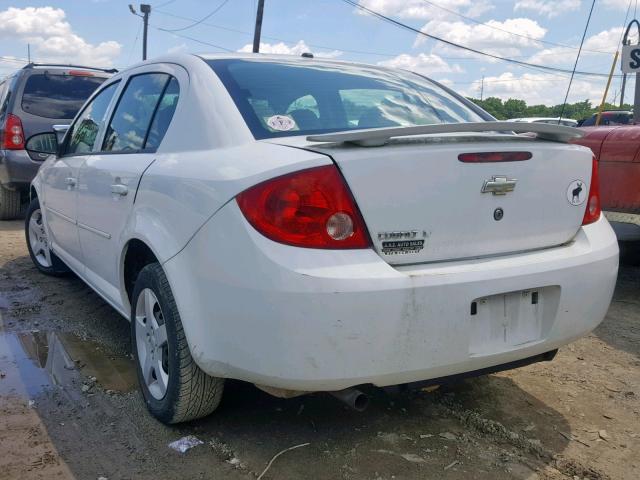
<point>32,101</point>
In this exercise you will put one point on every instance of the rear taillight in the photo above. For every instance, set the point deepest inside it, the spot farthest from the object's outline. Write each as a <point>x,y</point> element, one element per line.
<point>593,210</point>
<point>311,208</point>
<point>12,133</point>
<point>80,73</point>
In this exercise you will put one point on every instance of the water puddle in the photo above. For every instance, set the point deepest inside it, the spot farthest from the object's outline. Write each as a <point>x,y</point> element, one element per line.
<point>30,362</point>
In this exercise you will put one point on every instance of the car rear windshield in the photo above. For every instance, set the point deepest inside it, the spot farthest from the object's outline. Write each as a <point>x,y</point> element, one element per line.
<point>280,98</point>
<point>57,96</point>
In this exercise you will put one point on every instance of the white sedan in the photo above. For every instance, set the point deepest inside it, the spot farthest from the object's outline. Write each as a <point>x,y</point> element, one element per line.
<point>310,225</point>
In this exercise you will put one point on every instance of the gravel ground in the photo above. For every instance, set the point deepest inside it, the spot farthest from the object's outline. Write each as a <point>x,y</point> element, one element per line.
<point>69,407</point>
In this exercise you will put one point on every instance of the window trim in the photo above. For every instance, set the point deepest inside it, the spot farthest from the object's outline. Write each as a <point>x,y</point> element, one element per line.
<point>155,112</point>
<point>69,134</point>
<point>102,151</point>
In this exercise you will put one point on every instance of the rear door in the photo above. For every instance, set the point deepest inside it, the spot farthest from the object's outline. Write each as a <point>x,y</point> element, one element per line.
<point>60,177</point>
<point>109,178</point>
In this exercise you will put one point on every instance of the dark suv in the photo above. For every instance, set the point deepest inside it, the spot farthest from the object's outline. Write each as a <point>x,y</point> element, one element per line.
<point>611,117</point>
<point>33,100</point>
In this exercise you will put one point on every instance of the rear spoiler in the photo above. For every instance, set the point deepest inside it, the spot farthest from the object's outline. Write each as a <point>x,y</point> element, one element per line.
<point>375,137</point>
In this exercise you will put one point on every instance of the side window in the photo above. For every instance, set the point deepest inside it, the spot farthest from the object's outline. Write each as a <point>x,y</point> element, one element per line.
<point>132,117</point>
<point>86,127</point>
<point>163,115</point>
<point>6,95</point>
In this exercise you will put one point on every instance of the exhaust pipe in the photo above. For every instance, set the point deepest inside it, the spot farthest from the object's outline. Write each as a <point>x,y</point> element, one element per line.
<point>353,398</point>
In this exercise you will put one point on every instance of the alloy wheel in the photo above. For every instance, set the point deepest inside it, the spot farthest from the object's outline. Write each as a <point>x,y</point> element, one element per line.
<point>151,343</point>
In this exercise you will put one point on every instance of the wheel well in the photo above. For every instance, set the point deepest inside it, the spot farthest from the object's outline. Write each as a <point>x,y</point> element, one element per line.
<point>137,256</point>
<point>32,193</point>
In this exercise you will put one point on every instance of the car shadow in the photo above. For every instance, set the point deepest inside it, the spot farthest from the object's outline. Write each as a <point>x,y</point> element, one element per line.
<point>620,328</point>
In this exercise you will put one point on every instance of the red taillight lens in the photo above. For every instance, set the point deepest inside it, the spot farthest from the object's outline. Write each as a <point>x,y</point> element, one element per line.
<point>12,134</point>
<point>80,73</point>
<point>490,157</point>
<point>311,208</point>
<point>593,210</point>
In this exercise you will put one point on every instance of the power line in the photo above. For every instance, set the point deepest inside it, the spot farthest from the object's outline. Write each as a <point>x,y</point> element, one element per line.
<point>463,47</point>
<point>324,47</point>
<point>135,42</point>
<point>291,42</point>
<point>545,42</point>
<point>575,65</point>
<point>198,22</point>
<point>192,39</point>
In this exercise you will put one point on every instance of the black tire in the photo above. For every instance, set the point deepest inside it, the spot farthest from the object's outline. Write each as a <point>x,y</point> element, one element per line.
<point>57,267</point>
<point>630,253</point>
<point>190,392</point>
<point>9,203</point>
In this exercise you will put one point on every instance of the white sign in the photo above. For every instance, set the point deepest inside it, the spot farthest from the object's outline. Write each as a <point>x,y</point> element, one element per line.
<point>631,58</point>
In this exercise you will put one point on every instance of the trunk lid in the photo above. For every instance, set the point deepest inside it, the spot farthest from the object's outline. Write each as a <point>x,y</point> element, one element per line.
<point>422,204</point>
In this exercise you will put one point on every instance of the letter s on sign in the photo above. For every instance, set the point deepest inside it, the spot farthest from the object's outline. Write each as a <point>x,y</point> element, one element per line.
<point>635,57</point>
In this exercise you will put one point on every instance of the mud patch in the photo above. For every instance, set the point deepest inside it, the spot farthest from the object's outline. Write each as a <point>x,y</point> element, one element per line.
<point>34,361</point>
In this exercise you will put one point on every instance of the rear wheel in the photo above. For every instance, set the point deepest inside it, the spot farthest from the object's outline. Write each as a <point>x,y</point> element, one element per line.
<point>9,203</point>
<point>174,388</point>
<point>38,243</point>
<point>630,252</point>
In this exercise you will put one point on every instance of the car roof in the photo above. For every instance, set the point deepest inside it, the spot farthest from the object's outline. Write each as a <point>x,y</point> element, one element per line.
<point>68,68</point>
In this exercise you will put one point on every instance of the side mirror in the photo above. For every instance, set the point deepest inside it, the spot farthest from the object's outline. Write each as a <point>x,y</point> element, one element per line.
<point>42,144</point>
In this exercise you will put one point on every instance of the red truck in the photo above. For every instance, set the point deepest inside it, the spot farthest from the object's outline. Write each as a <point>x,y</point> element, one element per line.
<point>617,149</point>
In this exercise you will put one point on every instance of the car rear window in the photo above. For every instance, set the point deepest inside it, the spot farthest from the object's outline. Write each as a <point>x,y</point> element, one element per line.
<point>280,98</point>
<point>57,96</point>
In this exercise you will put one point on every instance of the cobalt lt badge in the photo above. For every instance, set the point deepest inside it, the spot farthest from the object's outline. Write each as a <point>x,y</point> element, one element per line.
<point>498,213</point>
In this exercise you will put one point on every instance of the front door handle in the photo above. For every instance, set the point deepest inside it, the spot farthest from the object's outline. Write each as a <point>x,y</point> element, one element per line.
<point>70,181</point>
<point>119,189</point>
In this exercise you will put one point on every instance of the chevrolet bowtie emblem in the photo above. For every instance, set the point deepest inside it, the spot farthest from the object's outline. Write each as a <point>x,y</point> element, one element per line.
<point>499,185</point>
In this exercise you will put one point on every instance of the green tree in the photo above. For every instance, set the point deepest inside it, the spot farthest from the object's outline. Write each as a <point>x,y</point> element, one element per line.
<point>514,108</point>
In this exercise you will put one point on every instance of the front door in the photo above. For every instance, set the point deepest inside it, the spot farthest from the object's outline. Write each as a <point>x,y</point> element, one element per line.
<point>60,179</point>
<point>109,178</point>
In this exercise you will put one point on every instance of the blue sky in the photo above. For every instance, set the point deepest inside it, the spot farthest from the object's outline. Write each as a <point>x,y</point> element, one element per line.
<point>104,32</point>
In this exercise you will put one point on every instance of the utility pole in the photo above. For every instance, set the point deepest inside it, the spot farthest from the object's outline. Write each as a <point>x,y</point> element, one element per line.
<point>145,8</point>
<point>482,89</point>
<point>258,30</point>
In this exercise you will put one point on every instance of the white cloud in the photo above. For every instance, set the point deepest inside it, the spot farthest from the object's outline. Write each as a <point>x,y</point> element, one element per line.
<point>605,41</point>
<point>540,88</point>
<point>548,8</point>
<point>424,63</point>
<point>423,10</point>
<point>178,48</point>
<point>495,40</point>
<point>283,49</point>
<point>617,4</point>
<point>52,37</point>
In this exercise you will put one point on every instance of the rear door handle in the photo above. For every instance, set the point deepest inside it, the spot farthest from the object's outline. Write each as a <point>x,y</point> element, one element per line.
<point>70,181</point>
<point>119,189</point>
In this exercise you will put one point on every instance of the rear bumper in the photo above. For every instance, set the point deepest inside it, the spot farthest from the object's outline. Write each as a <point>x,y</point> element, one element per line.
<point>315,320</point>
<point>17,169</point>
